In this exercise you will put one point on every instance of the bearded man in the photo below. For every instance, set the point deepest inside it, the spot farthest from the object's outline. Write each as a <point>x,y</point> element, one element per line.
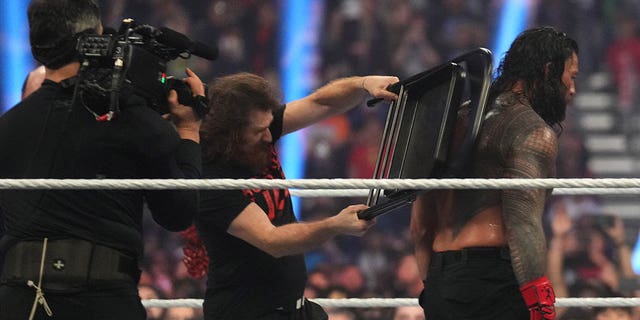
<point>482,252</point>
<point>251,236</point>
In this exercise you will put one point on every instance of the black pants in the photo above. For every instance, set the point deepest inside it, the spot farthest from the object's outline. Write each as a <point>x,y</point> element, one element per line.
<point>474,283</point>
<point>16,303</point>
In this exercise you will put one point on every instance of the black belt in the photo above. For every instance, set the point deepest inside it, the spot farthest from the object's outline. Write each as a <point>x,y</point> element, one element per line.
<point>444,258</point>
<point>69,263</point>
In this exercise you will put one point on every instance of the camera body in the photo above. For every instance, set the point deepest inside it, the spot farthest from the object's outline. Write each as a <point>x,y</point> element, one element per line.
<point>133,61</point>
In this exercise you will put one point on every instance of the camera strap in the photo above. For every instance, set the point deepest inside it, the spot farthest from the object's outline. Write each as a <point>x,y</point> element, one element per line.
<point>114,96</point>
<point>101,118</point>
<point>39,298</point>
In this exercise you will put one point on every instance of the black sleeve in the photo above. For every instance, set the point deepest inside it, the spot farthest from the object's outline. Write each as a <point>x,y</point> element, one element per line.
<point>174,210</point>
<point>189,160</point>
<point>220,207</point>
<point>276,124</point>
<point>164,155</point>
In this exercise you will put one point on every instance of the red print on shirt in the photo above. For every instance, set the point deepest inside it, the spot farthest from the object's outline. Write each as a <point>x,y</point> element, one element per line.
<point>272,200</point>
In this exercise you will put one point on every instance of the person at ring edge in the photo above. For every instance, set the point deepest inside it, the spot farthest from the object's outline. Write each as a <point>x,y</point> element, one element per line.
<point>92,239</point>
<point>482,252</point>
<point>252,238</point>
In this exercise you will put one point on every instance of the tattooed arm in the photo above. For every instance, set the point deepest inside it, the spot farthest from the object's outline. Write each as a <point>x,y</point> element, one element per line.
<point>532,155</point>
<point>422,228</point>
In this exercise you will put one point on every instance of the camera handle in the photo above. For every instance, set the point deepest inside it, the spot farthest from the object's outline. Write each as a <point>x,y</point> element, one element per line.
<point>200,104</point>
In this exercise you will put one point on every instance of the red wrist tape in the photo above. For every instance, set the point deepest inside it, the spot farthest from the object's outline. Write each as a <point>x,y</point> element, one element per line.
<point>539,297</point>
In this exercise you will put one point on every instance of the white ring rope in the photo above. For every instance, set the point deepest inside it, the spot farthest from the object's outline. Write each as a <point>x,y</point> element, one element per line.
<point>314,193</point>
<point>562,186</point>
<point>405,184</point>
<point>397,302</point>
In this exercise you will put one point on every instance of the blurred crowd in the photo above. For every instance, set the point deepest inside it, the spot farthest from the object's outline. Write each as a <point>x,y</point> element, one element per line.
<point>588,249</point>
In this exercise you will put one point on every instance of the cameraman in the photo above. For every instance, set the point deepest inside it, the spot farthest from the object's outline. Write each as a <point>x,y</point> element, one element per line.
<point>73,254</point>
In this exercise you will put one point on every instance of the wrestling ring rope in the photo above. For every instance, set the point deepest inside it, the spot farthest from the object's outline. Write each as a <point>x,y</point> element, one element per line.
<point>398,302</point>
<point>630,184</point>
<point>352,188</point>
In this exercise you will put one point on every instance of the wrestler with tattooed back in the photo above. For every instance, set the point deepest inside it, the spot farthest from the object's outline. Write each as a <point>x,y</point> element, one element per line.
<point>482,252</point>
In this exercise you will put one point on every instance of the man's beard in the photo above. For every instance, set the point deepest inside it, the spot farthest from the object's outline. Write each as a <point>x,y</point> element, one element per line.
<point>255,157</point>
<point>550,102</point>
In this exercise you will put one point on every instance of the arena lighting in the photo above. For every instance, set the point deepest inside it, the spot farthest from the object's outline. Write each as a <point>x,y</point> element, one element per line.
<point>300,29</point>
<point>512,20</point>
<point>635,256</point>
<point>15,53</point>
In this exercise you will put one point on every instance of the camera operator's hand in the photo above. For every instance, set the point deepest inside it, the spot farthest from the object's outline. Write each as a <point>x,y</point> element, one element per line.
<point>194,82</point>
<point>183,117</point>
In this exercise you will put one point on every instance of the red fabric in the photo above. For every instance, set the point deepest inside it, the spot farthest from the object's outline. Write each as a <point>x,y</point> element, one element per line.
<point>362,161</point>
<point>622,57</point>
<point>195,254</point>
<point>589,272</point>
<point>539,297</point>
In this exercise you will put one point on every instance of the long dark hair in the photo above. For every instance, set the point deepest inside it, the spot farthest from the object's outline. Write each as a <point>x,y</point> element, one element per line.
<point>526,61</point>
<point>231,100</point>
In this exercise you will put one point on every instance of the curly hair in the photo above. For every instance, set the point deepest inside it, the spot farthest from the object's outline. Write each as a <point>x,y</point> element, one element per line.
<point>231,100</point>
<point>527,61</point>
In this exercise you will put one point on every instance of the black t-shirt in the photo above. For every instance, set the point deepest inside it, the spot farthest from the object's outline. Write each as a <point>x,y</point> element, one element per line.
<point>44,137</point>
<point>244,281</point>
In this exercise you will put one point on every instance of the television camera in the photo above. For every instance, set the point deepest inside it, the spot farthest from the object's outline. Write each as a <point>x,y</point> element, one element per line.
<point>134,60</point>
